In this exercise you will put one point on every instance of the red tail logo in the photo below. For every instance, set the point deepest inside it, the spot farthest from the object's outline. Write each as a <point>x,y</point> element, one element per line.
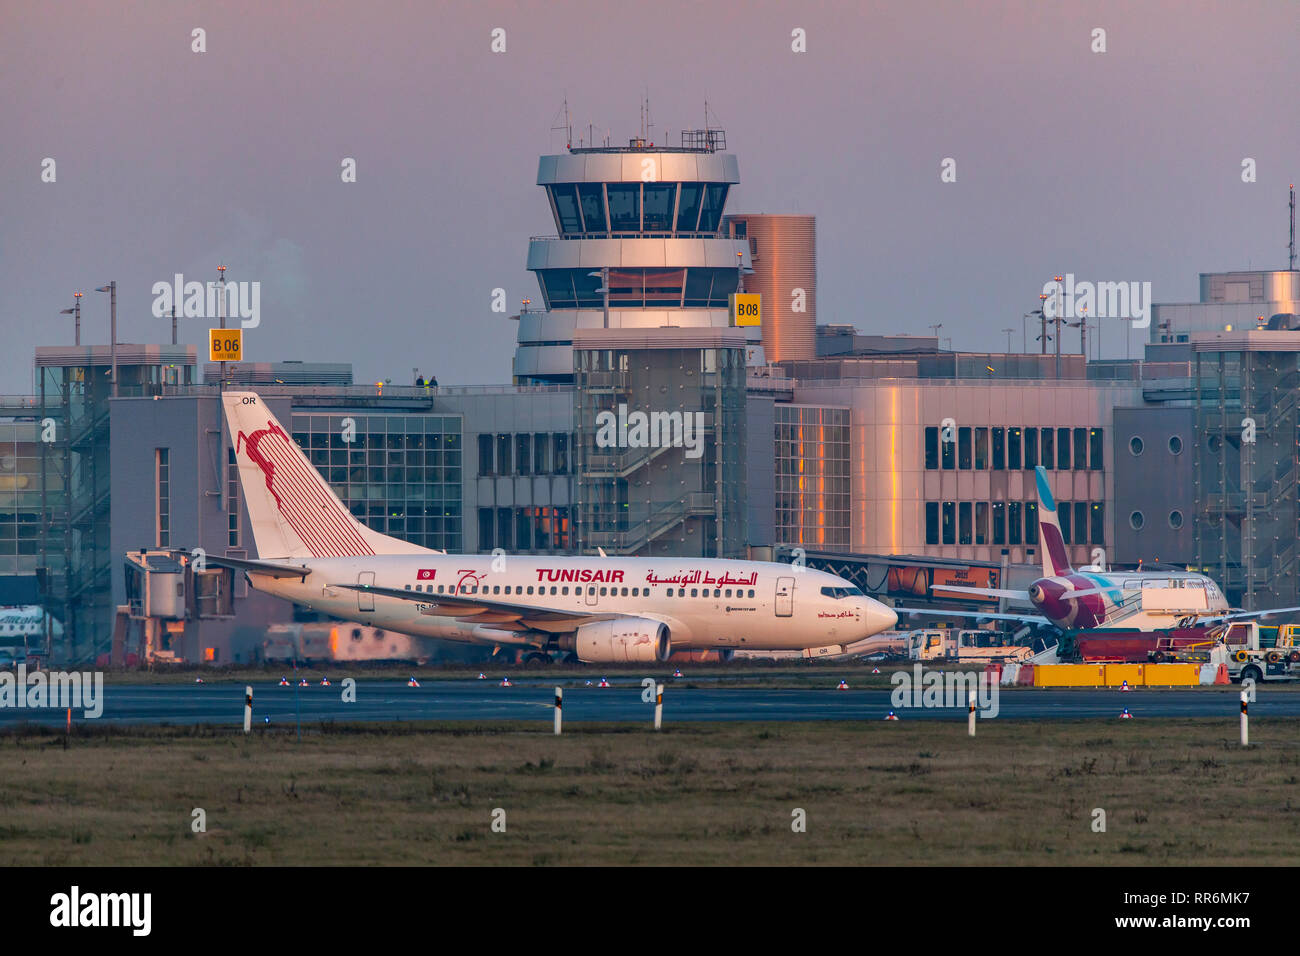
<point>310,509</point>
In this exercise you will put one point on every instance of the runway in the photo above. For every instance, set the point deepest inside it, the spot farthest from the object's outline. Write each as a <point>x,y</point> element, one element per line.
<point>532,699</point>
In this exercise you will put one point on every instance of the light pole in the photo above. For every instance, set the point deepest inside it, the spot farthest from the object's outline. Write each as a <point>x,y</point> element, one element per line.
<point>76,311</point>
<point>1060,307</point>
<point>1008,331</point>
<point>1042,314</point>
<point>111,289</point>
<point>1082,326</point>
<point>221,272</point>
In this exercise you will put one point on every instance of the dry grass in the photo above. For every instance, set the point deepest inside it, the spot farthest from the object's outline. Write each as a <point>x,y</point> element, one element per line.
<point>1175,792</point>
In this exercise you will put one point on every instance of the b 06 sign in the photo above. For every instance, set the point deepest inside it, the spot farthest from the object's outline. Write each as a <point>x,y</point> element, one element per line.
<point>225,345</point>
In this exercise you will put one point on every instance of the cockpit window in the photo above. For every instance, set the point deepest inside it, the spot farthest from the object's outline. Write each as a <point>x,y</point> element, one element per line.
<point>839,593</point>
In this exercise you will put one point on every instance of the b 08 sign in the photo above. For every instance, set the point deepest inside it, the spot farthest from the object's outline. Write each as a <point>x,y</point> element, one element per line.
<point>225,345</point>
<point>746,308</point>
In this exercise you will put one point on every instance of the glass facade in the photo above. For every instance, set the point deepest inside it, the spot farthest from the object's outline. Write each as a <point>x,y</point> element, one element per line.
<point>1002,523</point>
<point>20,498</point>
<point>74,486</point>
<point>400,475</point>
<point>812,476</point>
<point>660,451</point>
<point>639,288</point>
<point>653,208</point>
<point>1246,475</point>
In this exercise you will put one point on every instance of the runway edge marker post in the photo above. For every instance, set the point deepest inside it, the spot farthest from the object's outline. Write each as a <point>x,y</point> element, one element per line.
<point>659,706</point>
<point>559,706</point>
<point>1245,721</point>
<point>248,708</point>
<point>970,716</point>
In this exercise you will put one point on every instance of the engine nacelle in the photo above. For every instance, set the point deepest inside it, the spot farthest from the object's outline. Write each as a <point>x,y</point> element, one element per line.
<point>621,640</point>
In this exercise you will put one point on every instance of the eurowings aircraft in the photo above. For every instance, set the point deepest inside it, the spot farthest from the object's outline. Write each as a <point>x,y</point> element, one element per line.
<point>1092,598</point>
<point>312,551</point>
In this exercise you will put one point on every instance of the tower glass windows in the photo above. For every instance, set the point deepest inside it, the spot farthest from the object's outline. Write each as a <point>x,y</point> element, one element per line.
<point>592,198</point>
<point>566,208</point>
<point>659,200</point>
<point>624,206</point>
<point>688,206</point>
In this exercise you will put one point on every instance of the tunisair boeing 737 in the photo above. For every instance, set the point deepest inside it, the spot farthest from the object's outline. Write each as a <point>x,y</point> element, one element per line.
<point>1092,598</point>
<point>314,552</point>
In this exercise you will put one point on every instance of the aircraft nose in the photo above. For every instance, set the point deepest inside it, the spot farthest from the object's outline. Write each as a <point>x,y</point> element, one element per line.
<point>877,617</point>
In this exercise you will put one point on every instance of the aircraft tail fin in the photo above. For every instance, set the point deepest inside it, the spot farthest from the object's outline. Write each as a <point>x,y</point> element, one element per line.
<point>1050,541</point>
<point>293,511</point>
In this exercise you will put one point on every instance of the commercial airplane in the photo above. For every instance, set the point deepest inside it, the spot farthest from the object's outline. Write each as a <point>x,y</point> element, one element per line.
<point>603,610</point>
<point>23,621</point>
<point>1092,598</point>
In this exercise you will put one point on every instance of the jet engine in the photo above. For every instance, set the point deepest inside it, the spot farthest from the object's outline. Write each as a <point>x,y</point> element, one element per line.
<point>620,640</point>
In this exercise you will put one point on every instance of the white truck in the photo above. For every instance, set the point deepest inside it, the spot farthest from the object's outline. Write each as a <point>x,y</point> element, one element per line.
<point>965,646</point>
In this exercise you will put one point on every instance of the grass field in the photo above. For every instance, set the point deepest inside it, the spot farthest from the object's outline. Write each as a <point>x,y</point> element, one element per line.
<point>1174,791</point>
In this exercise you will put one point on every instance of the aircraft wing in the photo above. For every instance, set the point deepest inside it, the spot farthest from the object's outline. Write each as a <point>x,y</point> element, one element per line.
<point>982,592</point>
<point>1245,614</point>
<point>474,609</point>
<point>269,568</point>
<point>985,615</point>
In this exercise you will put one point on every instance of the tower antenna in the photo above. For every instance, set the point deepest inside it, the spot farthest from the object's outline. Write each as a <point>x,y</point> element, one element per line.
<point>1292,247</point>
<point>568,123</point>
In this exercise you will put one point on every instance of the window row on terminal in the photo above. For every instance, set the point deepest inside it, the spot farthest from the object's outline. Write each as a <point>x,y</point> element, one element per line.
<point>1013,449</point>
<point>1011,522</point>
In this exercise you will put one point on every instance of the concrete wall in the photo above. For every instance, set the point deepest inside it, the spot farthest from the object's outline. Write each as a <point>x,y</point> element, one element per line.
<point>1153,481</point>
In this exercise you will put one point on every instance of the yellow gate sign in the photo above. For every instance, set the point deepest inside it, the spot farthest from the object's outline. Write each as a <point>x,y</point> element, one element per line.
<point>746,308</point>
<point>225,345</point>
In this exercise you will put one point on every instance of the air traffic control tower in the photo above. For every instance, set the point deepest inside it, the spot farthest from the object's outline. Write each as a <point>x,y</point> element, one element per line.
<point>639,246</point>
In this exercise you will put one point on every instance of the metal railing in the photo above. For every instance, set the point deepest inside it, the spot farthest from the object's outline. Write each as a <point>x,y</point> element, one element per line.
<point>647,234</point>
<point>636,533</point>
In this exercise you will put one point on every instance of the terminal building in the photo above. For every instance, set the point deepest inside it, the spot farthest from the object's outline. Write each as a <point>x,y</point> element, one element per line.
<point>882,457</point>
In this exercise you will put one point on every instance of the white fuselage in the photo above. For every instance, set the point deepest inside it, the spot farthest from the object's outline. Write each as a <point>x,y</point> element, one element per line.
<point>705,603</point>
<point>1136,600</point>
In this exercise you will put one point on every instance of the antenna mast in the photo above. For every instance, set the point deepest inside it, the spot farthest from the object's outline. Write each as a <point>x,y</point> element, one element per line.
<point>568,124</point>
<point>1292,247</point>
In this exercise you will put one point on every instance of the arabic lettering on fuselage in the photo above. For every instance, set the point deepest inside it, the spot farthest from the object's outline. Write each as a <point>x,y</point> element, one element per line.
<point>726,579</point>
